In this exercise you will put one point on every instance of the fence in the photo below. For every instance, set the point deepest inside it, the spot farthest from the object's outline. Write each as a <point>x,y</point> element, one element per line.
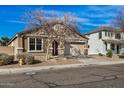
<point>7,50</point>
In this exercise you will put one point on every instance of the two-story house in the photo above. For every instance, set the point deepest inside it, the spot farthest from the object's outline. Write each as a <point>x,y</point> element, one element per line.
<point>104,38</point>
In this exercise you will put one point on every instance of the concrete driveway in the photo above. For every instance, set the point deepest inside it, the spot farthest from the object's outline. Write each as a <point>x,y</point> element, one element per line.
<point>93,61</point>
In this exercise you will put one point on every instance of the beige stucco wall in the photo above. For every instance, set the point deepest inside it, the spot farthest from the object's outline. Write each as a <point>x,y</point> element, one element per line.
<point>17,43</point>
<point>20,41</point>
<point>23,43</point>
<point>7,50</point>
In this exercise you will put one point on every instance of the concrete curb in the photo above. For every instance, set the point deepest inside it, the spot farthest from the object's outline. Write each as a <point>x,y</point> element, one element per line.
<point>39,68</point>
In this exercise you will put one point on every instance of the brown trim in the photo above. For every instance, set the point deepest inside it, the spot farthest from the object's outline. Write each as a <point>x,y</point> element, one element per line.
<point>12,40</point>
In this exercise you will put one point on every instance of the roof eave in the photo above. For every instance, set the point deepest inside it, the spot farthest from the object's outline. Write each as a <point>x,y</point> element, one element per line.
<point>12,39</point>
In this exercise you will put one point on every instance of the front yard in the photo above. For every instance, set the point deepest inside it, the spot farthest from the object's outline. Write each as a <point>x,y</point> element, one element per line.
<point>70,60</point>
<point>58,61</point>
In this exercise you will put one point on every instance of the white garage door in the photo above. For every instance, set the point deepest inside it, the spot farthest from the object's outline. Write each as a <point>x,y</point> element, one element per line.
<point>74,49</point>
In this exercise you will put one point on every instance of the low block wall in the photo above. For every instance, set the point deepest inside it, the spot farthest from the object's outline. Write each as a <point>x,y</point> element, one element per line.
<point>7,50</point>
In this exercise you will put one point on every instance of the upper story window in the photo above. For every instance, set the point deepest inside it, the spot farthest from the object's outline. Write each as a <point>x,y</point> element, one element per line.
<point>117,36</point>
<point>35,44</point>
<point>105,33</point>
<point>109,34</point>
<point>100,35</point>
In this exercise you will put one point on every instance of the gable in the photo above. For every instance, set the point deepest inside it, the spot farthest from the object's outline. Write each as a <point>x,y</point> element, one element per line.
<point>68,31</point>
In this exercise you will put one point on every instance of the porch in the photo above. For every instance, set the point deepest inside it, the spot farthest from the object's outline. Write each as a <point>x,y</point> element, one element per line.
<point>117,46</point>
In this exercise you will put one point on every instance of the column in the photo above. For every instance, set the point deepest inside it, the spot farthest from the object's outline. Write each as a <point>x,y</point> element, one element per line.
<point>108,46</point>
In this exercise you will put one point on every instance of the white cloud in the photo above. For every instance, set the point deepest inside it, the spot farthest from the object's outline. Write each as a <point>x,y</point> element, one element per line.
<point>54,11</point>
<point>102,8</point>
<point>60,15</point>
<point>95,25</point>
<point>100,15</point>
<point>101,11</point>
<point>80,19</point>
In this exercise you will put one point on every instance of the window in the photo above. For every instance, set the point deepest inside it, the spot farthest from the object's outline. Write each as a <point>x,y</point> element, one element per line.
<point>105,33</point>
<point>32,44</point>
<point>108,34</point>
<point>100,35</point>
<point>111,34</point>
<point>38,44</point>
<point>118,36</point>
<point>113,46</point>
<point>35,44</point>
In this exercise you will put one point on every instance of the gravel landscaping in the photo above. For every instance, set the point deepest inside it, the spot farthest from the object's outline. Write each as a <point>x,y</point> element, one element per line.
<point>58,61</point>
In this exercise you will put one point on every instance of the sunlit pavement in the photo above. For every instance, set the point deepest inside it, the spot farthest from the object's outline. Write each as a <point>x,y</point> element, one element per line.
<point>96,76</point>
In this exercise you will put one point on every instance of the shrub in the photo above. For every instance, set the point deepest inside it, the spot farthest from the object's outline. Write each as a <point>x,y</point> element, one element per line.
<point>6,59</point>
<point>1,54</point>
<point>1,63</point>
<point>21,56</point>
<point>100,54</point>
<point>109,53</point>
<point>121,56</point>
<point>27,58</point>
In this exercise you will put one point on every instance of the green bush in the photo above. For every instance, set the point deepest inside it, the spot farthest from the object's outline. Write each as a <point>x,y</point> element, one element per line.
<point>100,54</point>
<point>6,59</point>
<point>27,58</point>
<point>109,53</point>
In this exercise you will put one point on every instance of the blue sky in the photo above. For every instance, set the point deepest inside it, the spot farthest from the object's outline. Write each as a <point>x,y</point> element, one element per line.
<point>89,17</point>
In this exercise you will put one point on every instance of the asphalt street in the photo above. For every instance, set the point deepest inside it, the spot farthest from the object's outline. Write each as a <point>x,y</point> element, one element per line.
<point>111,76</point>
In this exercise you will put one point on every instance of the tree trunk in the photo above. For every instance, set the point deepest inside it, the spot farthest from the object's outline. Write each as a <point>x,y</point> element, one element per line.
<point>47,52</point>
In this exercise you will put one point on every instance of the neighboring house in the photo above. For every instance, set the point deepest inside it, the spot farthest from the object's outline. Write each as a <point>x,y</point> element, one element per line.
<point>34,42</point>
<point>104,38</point>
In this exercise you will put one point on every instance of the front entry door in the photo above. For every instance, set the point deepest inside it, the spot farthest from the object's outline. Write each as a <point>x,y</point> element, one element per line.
<point>118,49</point>
<point>55,48</point>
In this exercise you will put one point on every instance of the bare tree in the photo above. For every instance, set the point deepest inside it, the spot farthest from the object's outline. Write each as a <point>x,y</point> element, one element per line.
<point>119,21</point>
<point>35,18</point>
<point>40,18</point>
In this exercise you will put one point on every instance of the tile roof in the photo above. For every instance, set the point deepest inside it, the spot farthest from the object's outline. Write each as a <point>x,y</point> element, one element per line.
<point>103,28</point>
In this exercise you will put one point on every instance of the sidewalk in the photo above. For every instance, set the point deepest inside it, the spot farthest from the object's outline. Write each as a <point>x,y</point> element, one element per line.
<point>9,71</point>
<point>33,69</point>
